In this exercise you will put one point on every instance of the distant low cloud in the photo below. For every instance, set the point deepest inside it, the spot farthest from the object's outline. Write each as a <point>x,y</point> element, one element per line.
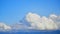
<point>4,27</point>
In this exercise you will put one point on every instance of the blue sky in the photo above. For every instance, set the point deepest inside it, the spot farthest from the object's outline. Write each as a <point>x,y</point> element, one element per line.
<point>11,11</point>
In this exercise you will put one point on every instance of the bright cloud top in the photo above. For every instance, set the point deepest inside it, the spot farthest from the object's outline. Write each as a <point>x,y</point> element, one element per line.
<point>36,22</point>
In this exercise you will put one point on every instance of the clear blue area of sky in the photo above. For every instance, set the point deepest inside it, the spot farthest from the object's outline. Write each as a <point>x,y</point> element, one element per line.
<point>12,11</point>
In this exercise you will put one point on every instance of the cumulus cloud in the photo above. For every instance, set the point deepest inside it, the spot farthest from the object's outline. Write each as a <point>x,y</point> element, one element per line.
<point>34,20</point>
<point>42,23</point>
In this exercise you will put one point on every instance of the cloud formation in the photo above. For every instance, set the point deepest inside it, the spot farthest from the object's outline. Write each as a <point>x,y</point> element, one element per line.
<point>43,23</point>
<point>36,22</point>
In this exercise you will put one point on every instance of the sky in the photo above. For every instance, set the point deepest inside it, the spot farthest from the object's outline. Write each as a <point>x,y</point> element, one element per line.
<point>12,11</point>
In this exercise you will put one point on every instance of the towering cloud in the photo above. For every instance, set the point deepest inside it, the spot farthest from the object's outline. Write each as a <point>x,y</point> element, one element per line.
<point>34,20</point>
<point>42,23</point>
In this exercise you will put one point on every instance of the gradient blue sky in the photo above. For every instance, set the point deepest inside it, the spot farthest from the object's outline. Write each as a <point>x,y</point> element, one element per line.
<point>11,11</point>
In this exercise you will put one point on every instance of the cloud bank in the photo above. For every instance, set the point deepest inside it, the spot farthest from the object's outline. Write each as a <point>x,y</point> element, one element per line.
<point>36,22</point>
<point>43,22</point>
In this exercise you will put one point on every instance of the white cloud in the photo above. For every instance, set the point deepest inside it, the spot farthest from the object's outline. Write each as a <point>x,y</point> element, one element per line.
<point>32,17</point>
<point>42,23</point>
<point>4,27</point>
<point>49,23</point>
<point>34,20</point>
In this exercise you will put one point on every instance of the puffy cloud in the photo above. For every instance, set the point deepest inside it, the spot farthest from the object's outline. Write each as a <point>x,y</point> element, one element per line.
<point>42,23</point>
<point>4,27</point>
<point>34,20</point>
<point>49,23</point>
